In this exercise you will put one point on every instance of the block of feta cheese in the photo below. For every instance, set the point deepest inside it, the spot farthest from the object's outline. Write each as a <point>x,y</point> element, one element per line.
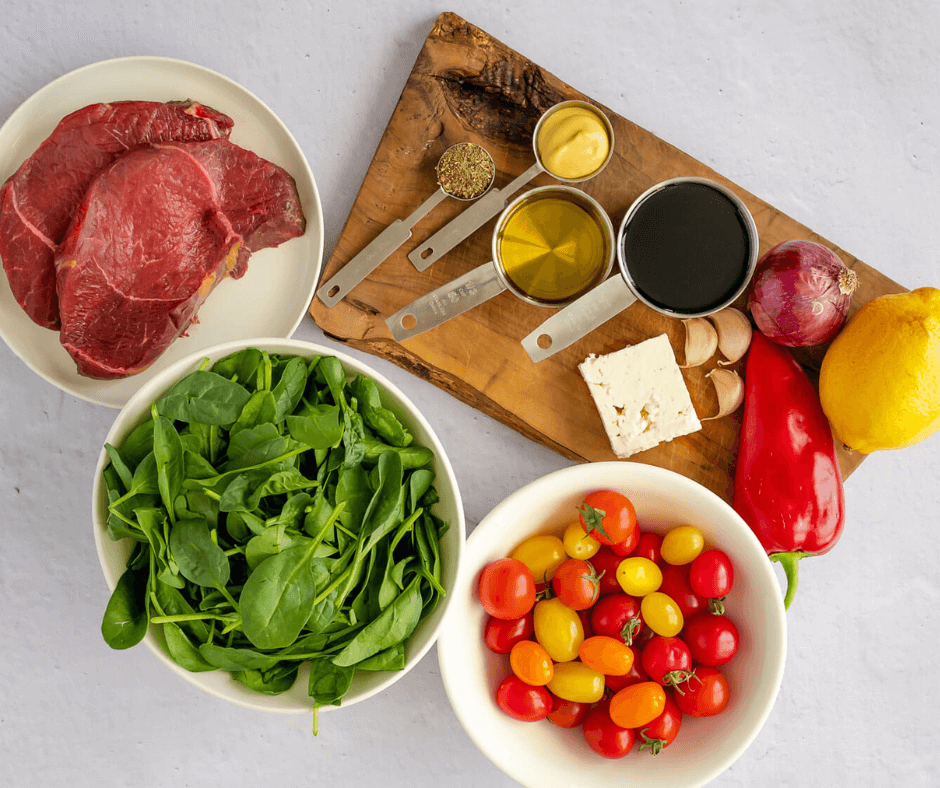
<point>641,396</point>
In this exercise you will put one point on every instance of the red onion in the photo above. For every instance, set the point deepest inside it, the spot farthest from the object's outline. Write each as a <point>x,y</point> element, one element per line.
<point>800,293</point>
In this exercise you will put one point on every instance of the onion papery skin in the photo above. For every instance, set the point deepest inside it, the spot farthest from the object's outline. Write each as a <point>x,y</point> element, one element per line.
<point>800,294</point>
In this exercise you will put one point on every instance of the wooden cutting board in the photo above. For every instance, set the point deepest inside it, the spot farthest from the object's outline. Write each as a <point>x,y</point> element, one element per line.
<point>467,86</point>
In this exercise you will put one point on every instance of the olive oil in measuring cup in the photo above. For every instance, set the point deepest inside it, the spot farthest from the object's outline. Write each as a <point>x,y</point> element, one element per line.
<point>552,248</point>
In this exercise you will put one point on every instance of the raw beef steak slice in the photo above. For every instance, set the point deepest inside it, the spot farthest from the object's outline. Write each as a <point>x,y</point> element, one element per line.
<point>148,243</point>
<point>259,198</point>
<point>37,202</point>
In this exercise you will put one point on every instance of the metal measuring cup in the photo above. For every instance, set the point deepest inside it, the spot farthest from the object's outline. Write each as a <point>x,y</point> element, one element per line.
<point>490,279</point>
<point>393,236</point>
<point>617,293</point>
<point>474,217</point>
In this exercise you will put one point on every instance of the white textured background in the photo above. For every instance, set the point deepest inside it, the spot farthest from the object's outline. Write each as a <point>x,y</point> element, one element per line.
<point>828,110</point>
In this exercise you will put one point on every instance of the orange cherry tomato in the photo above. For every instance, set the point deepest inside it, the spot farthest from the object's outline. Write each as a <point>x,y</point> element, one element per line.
<point>531,663</point>
<point>606,655</point>
<point>638,704</point>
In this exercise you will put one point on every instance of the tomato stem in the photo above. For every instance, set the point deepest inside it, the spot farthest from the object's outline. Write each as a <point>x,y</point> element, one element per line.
<point>791,568</point>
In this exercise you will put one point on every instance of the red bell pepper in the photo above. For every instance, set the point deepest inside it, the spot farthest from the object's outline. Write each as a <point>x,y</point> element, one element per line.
<point>787,484</point>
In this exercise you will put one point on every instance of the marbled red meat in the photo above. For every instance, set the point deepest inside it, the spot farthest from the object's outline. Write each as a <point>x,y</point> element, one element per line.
<point>148,244</point>
<point>38,201</point>
<point>154,234</point>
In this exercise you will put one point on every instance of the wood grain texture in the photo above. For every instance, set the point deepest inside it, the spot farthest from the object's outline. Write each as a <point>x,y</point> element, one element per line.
<point>467,86</point>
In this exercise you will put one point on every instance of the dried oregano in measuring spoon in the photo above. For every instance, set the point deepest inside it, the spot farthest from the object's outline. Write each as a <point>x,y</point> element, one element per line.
<point>465,171</point>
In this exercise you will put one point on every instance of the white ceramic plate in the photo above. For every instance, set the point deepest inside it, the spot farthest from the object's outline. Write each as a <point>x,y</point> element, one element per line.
<point>273,296</point>
<point>541,755</point>
<point>113,555</point>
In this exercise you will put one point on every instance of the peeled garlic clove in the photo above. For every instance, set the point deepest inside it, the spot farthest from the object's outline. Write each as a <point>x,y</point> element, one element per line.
<point>734,333</point>
<point>730,390</point>
<point>701,341</point>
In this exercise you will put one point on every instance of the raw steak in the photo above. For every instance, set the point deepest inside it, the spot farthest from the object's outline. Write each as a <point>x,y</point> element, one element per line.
<point>259,198</point>
<point>37,202</point>
<point>154,234</point>
<point>148,243</point>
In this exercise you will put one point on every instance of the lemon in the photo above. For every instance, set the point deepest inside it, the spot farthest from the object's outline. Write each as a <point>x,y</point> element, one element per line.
<point>880,379</point>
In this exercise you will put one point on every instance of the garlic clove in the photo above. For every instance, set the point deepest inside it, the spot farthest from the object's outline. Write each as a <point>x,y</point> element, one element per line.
<point>701,341</point>
<point>729,386</point>
<point>734,333</point>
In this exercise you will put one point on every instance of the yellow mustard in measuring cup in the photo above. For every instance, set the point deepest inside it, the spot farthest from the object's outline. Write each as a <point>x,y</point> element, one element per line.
<point>573,142</point>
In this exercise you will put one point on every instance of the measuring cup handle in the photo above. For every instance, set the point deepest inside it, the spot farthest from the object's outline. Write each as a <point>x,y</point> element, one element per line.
<point>447,301</point>
<point>364,263</point>
<point>579,318</point>
<point>465,223</point>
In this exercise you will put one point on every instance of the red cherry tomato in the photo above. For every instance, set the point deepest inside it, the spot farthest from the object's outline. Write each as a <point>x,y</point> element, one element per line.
<point>627,546</point>
<point>585,616</point>
<point>662,731</point>
<point>617,616</point>
<point>635,676</point>
<point>522,701</point>
<point>676,585</point>
<point>575,584</point>
<point>568,713</point>
<point>711,574</point>
<point>713,640</point>
<point>506,588</point>
<point>666,660</point>
<point>608,516</point>
<point>605,562</point>
<point>501,634</point>
<point>648,546</point>
<point>705,694</point>
<point>604,736</point>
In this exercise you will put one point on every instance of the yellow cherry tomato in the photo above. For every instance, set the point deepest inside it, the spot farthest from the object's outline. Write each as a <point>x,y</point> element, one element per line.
<point>531,663</point>
<point>576,682</point>
<point>606,655</point>
<point>638,704</point>
<point>578,543</point>
<point>661,614</point>
<point>639,576</point>
<point>543,554</point>
<point>558,629</point>
<point>682,545</point>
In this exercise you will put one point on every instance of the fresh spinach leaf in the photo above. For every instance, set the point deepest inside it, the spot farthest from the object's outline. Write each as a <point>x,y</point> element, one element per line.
<point>278,597</point>
<point>378,418</point>
<point>183,651</point>
<point>275,681</point>
<point>392,626</point>
<point>204,396</point>
<point>319,427</point>
<point>201,560</point>
<point>329,681</point>
<point>126,616</point>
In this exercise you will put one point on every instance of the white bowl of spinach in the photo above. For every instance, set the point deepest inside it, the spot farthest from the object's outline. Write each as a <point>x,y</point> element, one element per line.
<point>279,524</point>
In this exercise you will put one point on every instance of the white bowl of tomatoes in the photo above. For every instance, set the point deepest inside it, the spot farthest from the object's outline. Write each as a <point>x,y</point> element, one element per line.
<point>615,623</point>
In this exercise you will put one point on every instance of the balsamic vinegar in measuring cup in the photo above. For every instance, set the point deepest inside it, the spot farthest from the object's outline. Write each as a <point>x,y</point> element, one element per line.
<point>686,248</point>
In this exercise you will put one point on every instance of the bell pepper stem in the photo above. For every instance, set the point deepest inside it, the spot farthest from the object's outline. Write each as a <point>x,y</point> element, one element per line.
<point>791,568</point>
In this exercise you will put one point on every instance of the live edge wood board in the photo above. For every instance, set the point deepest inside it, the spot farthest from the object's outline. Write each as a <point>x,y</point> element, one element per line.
<point>467,86</point>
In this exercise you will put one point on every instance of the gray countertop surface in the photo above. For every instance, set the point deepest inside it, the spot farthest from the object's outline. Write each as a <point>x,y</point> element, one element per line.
<point>828,111</point>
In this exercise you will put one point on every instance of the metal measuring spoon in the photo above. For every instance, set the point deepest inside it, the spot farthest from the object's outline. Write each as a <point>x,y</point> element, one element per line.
<point>399,231</point>
<point>478,214</point>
